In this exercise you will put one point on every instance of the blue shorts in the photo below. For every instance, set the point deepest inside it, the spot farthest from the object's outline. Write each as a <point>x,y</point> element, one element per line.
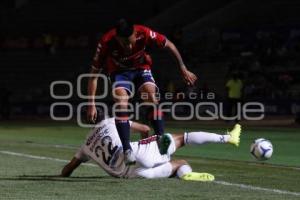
<point>133,80</point>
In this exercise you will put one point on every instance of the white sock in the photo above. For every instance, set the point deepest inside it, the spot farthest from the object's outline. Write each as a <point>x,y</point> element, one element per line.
<point>183,170</point>
<point>204,137</point>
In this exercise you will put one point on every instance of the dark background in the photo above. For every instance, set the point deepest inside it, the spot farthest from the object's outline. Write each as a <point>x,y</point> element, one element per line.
<point>46,41</point>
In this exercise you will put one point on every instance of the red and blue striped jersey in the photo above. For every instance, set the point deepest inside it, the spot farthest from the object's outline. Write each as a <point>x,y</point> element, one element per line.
<point>111,55</point>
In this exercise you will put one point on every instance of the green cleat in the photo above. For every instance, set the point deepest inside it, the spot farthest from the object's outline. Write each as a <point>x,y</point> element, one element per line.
<point>235,134</point>
<point>195,176</point>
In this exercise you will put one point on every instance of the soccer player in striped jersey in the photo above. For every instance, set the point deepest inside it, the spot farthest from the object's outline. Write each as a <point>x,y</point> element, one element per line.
<point>121,54</point>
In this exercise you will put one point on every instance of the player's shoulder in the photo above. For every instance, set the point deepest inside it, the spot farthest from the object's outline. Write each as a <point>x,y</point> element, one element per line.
<point>109,35</point>
<point>141,27</point>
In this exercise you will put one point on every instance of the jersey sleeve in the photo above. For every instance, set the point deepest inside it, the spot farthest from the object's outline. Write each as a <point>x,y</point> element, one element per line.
<point>154,38</point>
<point>100,55</point>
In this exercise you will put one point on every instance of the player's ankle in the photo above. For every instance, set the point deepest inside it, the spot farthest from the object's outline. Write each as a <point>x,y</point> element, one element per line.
<point>129,157</point>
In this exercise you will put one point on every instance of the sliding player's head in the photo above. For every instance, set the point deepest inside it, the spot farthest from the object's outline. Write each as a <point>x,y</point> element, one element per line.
<point>125,33</point>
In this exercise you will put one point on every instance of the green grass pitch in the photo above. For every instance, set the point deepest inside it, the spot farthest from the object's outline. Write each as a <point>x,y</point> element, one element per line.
<point>32,155</point>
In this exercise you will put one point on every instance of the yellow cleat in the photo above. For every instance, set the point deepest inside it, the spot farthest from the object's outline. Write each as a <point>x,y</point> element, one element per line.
<point>195,176</point>
<point>235,134</point>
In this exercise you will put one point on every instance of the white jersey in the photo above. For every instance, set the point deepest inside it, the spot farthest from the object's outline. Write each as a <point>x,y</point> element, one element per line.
<point>104,146</point>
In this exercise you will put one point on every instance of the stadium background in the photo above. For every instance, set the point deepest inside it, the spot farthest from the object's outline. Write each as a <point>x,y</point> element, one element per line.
<point>46,41</point>
<point>43,42</point>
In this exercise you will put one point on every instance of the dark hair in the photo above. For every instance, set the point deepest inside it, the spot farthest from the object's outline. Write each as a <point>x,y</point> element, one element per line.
<point>124,28</point>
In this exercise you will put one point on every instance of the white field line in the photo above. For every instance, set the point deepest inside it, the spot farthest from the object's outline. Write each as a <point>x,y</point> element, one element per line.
<point>58,146</point>
<point>250,187</point>
<point>273,166</point>
<point>243,186</point>
<point>42,158</point>
<point>63,146</point>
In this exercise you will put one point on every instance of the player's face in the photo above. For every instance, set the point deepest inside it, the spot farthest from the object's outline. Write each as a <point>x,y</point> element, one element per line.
<point>127,42</point>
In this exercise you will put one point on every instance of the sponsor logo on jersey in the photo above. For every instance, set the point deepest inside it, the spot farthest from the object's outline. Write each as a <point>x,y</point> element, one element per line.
<point>97,132</point>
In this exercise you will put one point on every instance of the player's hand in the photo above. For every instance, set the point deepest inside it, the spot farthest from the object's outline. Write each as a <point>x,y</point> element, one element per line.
<point>188,77</point>
<point>92,114</point>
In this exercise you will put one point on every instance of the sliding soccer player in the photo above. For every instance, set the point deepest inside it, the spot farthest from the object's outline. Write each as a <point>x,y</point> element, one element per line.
<point>153,156</point>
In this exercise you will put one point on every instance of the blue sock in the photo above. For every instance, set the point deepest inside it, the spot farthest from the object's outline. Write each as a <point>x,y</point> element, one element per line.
<point>157,121</point>
<point>123,127</point>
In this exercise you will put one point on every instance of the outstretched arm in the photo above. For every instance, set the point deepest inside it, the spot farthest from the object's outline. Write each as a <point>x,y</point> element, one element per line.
<point>97,67</point>
<point>70,167</point>
<point>141,128</point>
<point>188,76</point>
<point>92,88</point>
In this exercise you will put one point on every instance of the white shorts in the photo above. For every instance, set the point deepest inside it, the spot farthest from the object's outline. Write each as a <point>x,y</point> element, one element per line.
<point>148,157</point>
<point>150,163</point>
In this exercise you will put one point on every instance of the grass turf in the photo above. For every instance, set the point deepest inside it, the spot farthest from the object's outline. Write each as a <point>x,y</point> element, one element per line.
<point>29,178</point>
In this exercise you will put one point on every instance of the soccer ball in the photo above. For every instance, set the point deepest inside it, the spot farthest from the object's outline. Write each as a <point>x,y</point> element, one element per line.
<point>261,149</point>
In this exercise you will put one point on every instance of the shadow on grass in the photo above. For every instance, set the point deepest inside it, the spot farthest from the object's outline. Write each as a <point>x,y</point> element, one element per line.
<point>61,179</point>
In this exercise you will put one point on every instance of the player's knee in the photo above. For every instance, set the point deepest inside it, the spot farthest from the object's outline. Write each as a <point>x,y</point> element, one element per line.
<point>149,97</point>
<point>177,163</point>
<point>120,96</point>
<point>182,162</point>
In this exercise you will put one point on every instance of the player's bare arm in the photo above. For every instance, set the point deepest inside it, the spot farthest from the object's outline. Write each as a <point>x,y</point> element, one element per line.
<point>187,75</point>
<point>92,88</point>
<point>141,128</point>
<point>70,167</point>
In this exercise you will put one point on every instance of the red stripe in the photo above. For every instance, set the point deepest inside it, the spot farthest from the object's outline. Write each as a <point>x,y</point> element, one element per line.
<point>148,140</point>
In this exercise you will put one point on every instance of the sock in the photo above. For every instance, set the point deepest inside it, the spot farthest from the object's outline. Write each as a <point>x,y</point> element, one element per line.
<point>204,137</point>
<point>183,170</point>
<point>156,118</point>
<point>123,127</point>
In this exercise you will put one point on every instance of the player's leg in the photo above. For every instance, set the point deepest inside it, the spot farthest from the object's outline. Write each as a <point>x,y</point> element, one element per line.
<point>148,90</point>
<point>198,138</point>
<point>121,89</point>
<point>164,170</point>
<point>180,168</point>
<point>155,115</point>
<point>232,137</point>
<point>122,123</point>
